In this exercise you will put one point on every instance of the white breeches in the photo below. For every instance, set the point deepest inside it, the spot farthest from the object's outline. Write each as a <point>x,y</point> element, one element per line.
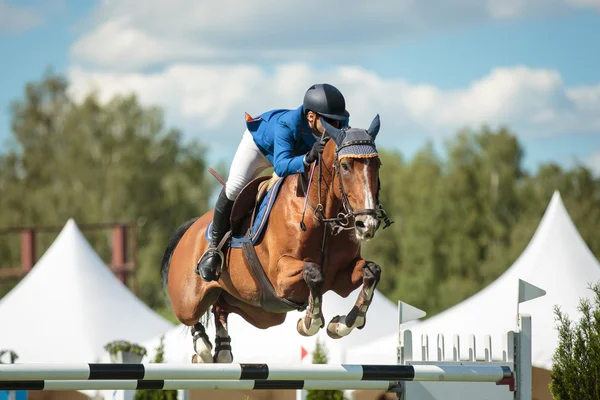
<point>247,164</point>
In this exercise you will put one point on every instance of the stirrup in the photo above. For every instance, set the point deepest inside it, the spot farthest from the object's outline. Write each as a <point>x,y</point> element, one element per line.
<point>214,250</point>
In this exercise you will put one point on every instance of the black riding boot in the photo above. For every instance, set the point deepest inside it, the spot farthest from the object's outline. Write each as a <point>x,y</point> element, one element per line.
<point>212,258</point>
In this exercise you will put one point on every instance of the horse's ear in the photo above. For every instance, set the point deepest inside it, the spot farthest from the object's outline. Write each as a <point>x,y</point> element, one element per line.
<point>336,134</point>
<point>374,128</point>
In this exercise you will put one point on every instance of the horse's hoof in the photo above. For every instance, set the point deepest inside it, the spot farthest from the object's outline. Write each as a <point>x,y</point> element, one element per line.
<point>300,327</point>
<point>363,324</point>
<point>333,328</point>
<point>311,331</point>
<point>203,358</point>
<point>223,357</point>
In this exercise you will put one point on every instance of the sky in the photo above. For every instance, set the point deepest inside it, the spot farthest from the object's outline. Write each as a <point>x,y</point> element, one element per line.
<point>428,68</point>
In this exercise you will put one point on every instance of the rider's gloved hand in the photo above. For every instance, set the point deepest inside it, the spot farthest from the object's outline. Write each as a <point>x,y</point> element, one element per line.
<point>313,154</point>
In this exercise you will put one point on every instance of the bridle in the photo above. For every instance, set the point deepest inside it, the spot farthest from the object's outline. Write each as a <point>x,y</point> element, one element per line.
<point>378,212</point>
<point>342,220</point>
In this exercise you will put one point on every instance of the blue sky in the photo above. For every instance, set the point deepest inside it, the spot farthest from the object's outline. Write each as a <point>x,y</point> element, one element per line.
<point>449,60</point>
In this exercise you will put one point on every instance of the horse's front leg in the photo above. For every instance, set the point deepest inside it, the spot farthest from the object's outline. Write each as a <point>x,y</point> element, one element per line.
<point>369,273</point>
<point>294,274</point>
<point>313,319</point>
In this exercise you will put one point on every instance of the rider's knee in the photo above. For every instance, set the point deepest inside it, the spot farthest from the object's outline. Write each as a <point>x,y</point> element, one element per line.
<point>233,188</point>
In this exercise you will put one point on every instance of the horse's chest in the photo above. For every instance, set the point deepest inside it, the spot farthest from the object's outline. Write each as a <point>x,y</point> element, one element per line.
<point>336,253</point>
<point>340,253</point>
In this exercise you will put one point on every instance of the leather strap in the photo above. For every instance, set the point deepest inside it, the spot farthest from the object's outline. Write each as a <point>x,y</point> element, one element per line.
<point>222,343</point>
<point>269,300</point>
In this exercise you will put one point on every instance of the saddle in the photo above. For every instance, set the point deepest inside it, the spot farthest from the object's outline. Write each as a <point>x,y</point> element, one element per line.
<point>248,201</point>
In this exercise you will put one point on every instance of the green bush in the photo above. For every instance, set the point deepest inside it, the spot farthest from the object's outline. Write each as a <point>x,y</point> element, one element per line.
<point>124,346</point>
<point>320,357</point>
<point>576,361</point>
<point>154,394</point>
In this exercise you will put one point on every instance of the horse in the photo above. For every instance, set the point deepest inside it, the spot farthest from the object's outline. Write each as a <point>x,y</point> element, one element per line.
<point>286,260</point>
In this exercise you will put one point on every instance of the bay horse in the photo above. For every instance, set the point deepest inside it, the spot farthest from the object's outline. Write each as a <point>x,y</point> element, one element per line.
<point>289,265</point>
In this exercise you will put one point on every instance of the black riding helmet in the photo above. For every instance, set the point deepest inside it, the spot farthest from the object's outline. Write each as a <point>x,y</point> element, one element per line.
<point>326,100</point>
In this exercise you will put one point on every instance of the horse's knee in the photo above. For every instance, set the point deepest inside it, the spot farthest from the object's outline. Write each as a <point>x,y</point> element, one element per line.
<point>313,276</point>
<point>371,273</point>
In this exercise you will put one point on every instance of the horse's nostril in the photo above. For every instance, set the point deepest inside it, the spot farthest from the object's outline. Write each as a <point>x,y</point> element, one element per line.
<point>360,224</point>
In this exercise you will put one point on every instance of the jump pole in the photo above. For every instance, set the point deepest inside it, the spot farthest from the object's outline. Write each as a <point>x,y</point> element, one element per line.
<point>276,372</point>
<point>197,385</point>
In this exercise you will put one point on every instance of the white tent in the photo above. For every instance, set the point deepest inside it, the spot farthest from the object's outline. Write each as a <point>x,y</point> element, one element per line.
<point>282,343</point>
<point>556,260</point>
<point>70,305</point>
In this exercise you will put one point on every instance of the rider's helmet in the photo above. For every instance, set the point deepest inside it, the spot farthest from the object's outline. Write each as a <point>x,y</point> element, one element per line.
<point>326,100</point>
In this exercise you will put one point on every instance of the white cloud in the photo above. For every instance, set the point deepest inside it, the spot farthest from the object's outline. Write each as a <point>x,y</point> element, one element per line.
<point>209,101</point>
<point>18,19</point>
<point>123,35</point>
<point>595,4</point>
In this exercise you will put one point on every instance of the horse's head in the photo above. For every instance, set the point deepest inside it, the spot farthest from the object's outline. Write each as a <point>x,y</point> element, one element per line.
<point>357,168</point>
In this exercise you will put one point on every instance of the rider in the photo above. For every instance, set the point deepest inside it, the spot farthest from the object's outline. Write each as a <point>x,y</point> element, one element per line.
<point>278,138</point>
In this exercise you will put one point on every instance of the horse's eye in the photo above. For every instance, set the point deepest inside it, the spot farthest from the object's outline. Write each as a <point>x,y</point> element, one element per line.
<point>345,166</point>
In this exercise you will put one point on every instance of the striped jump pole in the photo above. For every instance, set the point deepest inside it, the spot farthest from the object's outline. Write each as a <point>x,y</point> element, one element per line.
<point>197,385</point>
<point>242,372</point>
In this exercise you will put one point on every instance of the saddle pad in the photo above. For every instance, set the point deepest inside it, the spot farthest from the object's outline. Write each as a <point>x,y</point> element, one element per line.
<point>260,220</point>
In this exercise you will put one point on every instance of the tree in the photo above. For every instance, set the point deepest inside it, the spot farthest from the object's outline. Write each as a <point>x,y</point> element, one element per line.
<point>98,162</point>
<point>320,357</point>
<point>454,215</point>
<point>576,361</point>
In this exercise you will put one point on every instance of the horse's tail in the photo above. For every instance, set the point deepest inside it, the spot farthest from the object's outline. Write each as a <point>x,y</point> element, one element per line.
<point>166,259</point>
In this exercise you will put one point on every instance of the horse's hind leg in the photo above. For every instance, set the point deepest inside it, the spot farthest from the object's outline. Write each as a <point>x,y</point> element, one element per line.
<point>202,345</point>
<point>223,352</point>
<point>369,273</point>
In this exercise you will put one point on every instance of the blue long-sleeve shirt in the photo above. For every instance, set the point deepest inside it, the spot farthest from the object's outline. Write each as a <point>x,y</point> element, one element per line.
<point>284,137</point>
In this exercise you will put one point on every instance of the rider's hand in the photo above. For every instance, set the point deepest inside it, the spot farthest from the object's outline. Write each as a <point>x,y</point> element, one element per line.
<point>313,154</point>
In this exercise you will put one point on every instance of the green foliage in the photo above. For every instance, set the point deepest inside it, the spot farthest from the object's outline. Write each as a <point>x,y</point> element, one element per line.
<point>154,394</point>
<point>159,357</point>
<point>97,162</point>
<point>319,356</point>
<point>125,346</point>
<point>576,361</point>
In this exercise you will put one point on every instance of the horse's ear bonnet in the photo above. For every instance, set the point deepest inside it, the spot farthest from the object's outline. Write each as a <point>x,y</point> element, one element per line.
<point>353,142</point>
